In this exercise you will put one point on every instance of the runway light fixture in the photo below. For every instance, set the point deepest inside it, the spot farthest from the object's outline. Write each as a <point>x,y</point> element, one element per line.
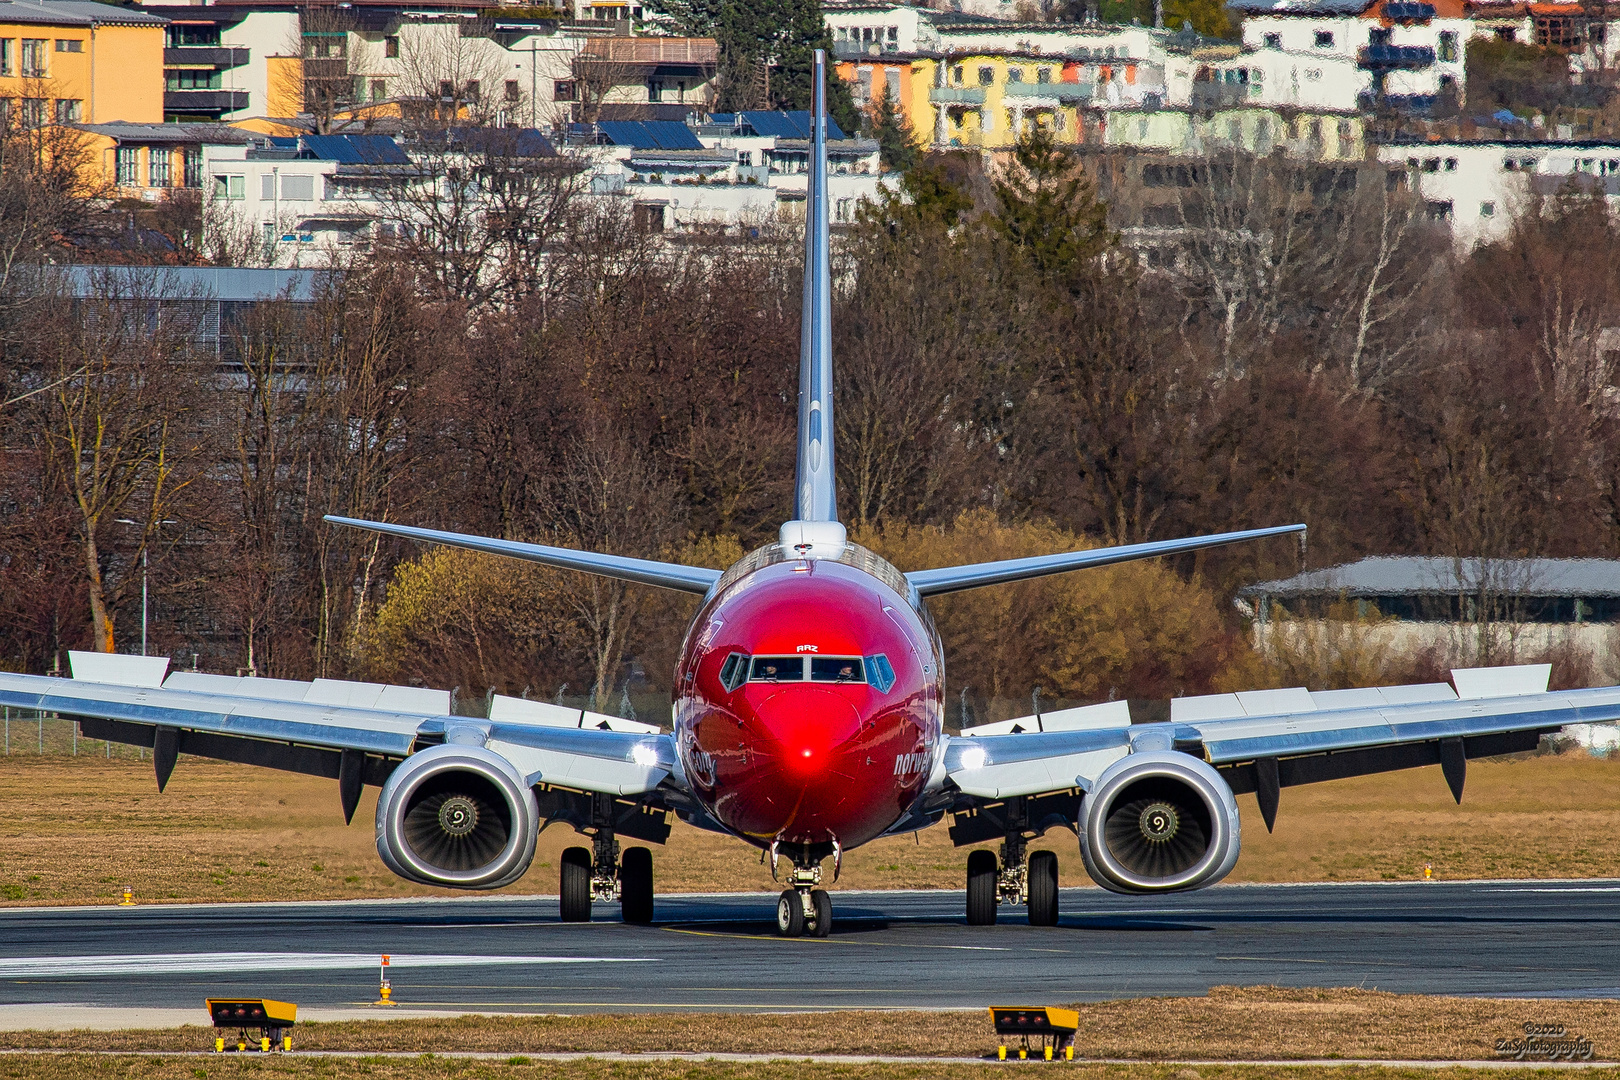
<point>273,1020</point>
<point>1051,1029</point>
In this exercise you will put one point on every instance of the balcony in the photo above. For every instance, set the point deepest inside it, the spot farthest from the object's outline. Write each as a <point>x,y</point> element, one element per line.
<point>1390,57</point>
<point>1048,93</point>
<point>214,56</point>
<point>1222,95</point>
<point>204,101</point>
<point>972,96</point>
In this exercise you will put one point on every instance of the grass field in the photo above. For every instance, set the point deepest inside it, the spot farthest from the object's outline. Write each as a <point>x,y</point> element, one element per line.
<point>77,830</point>
<point>518,1067</point>
<point>1255,1023</point>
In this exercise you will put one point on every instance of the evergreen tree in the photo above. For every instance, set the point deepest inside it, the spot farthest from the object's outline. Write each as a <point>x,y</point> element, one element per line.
<point>753,33</point>
<point>1048,211</point>
<point>897,143</point>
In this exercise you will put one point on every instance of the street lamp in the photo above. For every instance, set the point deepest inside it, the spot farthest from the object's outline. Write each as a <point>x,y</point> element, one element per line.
<point>144,554</point>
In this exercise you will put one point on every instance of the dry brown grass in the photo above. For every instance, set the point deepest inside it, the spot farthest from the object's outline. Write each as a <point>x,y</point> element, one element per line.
<point>82,1067</point>
<point>1259,1023</point>
<point>76,830</point>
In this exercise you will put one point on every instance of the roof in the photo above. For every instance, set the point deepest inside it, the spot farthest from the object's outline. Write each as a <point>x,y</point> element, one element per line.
<point>1427,575</point>
<point>349,149</point>
<point>74,13</point>
<point>214,282</point>
<point>650,134</point>
<point>510,142</point>
<point>1300,7</point>
<point>170,133</point>
<point>786,125</point>
<point>702,52</point>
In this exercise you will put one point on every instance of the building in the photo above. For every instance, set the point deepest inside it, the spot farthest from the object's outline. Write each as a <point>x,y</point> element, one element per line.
<point>74,61</point>
<point>147,161</point>
<point>1461,607</point>
<point>1411,53</point>
<point>1479,187</point>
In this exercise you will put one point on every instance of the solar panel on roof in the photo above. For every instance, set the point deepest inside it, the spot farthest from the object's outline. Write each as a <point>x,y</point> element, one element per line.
<point>356,149</point>
<point>651,134</point>
<point>787,125</point>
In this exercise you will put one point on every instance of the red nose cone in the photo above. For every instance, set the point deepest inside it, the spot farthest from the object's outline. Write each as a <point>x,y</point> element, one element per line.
<point>802,729</point>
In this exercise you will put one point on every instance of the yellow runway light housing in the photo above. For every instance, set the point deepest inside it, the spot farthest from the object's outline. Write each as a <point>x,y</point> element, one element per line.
<point>271,1019</point>
<point>1046,1029</point>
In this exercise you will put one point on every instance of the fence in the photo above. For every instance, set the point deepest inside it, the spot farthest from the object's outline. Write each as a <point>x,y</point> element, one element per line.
<point>31,733</point>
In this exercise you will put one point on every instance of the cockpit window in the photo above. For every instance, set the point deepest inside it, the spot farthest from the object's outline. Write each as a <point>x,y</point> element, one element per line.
<point>879,672</point>
<point>777,669</point>
<point>734,671</point>
<point>844,669</point>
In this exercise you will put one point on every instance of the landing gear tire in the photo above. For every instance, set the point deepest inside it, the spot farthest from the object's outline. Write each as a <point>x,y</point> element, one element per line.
<point>789,914</point>
<point>1043,888</point>
<point>636,886</point>
<point>822,903</point>
<point>575,899</point>
<point>981,889</point>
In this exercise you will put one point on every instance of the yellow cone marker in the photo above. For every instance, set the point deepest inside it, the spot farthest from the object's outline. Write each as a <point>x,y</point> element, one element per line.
<point>1428,872</point>
<point>129,897</point>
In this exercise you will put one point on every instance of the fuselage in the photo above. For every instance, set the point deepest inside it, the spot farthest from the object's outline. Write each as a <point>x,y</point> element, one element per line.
<point>808,699</point>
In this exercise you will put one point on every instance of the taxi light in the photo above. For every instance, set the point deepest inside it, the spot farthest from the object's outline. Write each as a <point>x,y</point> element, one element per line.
<point>273,1020</point>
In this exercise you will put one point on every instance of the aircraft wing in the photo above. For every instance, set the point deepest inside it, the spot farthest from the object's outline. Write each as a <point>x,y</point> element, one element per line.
<point>351,732</point>
<point>1264,740</point>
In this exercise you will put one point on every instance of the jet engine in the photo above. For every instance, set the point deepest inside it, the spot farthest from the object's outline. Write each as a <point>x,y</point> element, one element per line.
<point>459,816</point>
<point>1159,821</point>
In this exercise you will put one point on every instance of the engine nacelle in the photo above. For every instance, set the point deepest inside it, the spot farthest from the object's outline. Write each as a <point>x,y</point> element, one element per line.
<point>459,816</point>
<point>1159,821</point>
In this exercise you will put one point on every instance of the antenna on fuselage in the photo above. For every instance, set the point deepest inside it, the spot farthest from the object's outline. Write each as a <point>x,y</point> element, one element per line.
<point>815,530</point>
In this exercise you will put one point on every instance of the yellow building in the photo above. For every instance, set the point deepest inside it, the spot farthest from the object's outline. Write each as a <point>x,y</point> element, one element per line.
<point>984,99</point>
<point>75,61</point>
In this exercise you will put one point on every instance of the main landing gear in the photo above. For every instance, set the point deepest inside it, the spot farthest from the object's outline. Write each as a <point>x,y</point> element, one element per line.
<point>1012,879</point>
<point>601,874</point>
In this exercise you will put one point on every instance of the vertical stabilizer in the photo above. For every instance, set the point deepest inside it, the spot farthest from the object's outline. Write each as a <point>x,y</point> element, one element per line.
<point>816,498</point>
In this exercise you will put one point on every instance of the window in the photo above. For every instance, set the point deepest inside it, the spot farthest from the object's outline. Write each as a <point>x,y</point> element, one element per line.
<point>1380,36</point>
<point>379,89</point>
<point>1324,39</point>
<point>1043,76</point>
<point>32,114</point>
<point>837,669</point>
<point>229,187</point>
<point>158,167</point>
<point>391,47</point>
<point>1347,133</point>
<point>863,85</point>
<point>879,672</point>
<point>298,188</point>
<point>192,79</point>
<point>129,166</point>
<point>191,164</point>
<point>447,89</point>
<point>1273,41</point>
<point>8,56</point>
<point>562,91</point>
<point>987,76</point>
<point>1448,46</point>
<point>956,75</point>
<point>267,186</point>
<point>472,90</point>
<point>69,110</point>
<point>512,91</point>
<point>1451,164</point>
<point>1510,164</point>
<point>33,58</point>
<point>1487,209</point>
<point>894,33</point>
<point>1438,211</point>
<point>734,671</point>
<point>777,669</point>
<point>1015,75</point>
<point>184,34</point>
<point>1431,165</point>
<point>891,81</point>
<point>70,45</point>
<point>843,33</point>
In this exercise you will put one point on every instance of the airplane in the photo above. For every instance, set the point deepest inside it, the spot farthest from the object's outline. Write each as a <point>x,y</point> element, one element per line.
<point>808,719</point>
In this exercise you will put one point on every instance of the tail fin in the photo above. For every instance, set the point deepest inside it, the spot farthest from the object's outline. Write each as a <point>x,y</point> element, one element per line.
<point>815,495</point>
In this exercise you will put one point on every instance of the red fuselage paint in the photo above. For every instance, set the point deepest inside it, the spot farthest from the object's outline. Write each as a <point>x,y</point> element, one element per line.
<point>809,762</point>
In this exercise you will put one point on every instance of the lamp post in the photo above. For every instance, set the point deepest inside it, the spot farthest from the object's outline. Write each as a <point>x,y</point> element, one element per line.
<point>144,565</point>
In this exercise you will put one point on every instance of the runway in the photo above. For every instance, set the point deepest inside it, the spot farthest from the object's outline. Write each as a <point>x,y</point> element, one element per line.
<point>887,950</point>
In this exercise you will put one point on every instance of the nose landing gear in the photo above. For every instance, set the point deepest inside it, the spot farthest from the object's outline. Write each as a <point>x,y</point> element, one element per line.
<point>804,907</point>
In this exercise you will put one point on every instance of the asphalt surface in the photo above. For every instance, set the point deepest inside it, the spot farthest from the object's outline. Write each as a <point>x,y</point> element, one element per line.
<point>887,950</point>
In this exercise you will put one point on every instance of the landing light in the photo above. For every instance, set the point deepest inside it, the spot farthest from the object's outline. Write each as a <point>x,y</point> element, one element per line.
<point>974,757</point>
<point>644,755</point>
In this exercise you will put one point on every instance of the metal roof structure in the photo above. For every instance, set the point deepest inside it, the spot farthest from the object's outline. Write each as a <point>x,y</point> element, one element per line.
<point>1427,575</point>
<point>650,134</point>
<point>121,131</point>
<point>74,13</point>
<point>224,283</point>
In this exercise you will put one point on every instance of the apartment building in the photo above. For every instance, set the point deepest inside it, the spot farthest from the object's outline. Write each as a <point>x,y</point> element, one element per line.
<point>73,61</point>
